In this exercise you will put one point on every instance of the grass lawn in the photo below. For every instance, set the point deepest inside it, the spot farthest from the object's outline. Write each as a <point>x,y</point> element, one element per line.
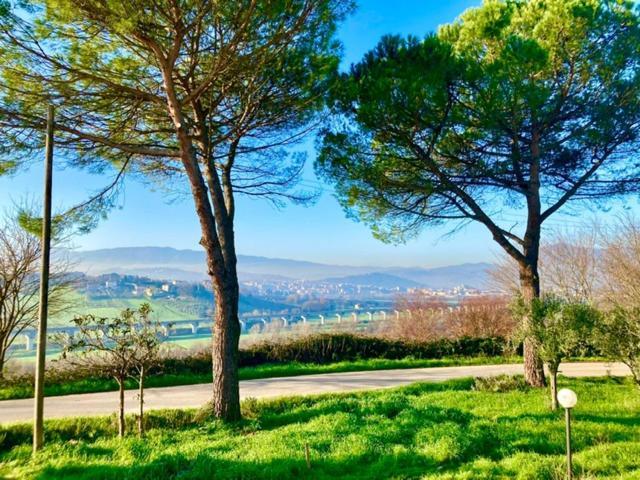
<point>25,390</point>
<point>428,431</point>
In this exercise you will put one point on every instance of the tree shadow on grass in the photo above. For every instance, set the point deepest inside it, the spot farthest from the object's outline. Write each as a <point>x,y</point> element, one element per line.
<point>286,411</point>
<point>544,433</point>
<point>407,465</point>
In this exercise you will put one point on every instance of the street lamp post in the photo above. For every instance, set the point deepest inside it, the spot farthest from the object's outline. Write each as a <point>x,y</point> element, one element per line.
<point>568,399</point>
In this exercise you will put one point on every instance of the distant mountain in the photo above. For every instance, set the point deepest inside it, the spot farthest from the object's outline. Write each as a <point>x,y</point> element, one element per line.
<point>469,274</point>
<point>376,279</point>
<point>168,263</point>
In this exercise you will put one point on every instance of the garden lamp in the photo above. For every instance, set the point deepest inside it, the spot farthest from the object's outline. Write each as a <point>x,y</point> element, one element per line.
<point>568,399</point>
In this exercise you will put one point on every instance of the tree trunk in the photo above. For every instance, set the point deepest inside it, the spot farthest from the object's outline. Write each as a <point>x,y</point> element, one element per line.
<point>4,346</point>
<point>141,404</point>
<point>226,337</point>
<point>121,424</point>
<point>553,374</point>
<point>533,367</point>
<point>216,223</point>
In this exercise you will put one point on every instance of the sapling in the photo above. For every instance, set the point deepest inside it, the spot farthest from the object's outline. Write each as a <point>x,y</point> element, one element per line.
<point>120,347</point>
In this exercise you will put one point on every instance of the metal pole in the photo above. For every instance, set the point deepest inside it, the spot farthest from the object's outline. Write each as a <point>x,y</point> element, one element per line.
<point>569,462</point>
<point>38,420</point>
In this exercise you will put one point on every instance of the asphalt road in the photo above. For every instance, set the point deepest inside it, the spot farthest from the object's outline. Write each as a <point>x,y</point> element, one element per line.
<point>190,396</point>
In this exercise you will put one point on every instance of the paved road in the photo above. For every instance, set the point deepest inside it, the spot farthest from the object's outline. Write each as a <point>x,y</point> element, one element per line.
<point>197,395</point>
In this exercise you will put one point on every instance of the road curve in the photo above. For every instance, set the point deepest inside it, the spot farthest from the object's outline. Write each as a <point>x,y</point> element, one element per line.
<point>189,396</point>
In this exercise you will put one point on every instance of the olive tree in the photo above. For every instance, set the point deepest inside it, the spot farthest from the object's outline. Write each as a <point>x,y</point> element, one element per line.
<point>558,329</point>
<point>121,347</point>
<point>619,337</point>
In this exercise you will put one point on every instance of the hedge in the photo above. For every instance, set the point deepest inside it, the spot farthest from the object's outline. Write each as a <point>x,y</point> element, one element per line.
<point>329,348</point>
<point>318,348</point>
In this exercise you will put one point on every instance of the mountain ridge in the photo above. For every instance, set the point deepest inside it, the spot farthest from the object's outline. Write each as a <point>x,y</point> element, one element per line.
<point>170,263</point>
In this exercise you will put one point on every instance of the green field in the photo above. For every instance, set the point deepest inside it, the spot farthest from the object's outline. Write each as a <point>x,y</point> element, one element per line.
<point>163,309</point>
<point>429,431</point>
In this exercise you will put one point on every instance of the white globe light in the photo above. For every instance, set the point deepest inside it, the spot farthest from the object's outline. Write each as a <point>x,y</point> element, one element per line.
<point>567,398</point>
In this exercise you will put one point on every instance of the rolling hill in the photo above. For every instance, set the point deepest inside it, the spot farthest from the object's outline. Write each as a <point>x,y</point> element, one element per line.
<point>169,263</point>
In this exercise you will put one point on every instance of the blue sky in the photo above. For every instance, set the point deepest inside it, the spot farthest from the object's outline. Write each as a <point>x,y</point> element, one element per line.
<point>318,233</point>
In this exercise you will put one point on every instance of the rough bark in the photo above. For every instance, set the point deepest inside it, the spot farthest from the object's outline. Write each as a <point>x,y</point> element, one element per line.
<point>530,287</point>
<point>226,337</point>
<point>529,277</point>
<point>216,224</point>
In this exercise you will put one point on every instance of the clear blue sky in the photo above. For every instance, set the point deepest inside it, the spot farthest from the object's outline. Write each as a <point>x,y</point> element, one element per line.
<point>318,233</point>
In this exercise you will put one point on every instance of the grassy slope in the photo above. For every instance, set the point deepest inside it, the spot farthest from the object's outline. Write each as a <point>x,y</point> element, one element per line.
<point>429,431</point>
<point>249,373</point>
<point>167,310</point>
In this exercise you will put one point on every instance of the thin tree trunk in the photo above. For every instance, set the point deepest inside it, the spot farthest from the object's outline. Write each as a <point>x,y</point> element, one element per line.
<point>553,374</point>
<point>4,346</point>
<point>141,404</point>
<point>533,367</point>
<point>2,362</point>
<point>226,337</point>
<point>121,424</point>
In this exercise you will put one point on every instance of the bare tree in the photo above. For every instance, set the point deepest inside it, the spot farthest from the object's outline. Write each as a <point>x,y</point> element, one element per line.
<point>426,318</point>
<point>20,284</point>
<point>484,316</point>
<point>621,263</point>
<point>618,335</point>
<point>422,318</point>
<point>568,265</point>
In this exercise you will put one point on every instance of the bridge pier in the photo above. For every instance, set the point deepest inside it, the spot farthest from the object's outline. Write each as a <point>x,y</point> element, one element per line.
<point>29,343</point>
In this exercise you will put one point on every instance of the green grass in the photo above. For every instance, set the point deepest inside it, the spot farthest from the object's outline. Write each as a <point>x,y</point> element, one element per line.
<point>89,385</point>
<point>431,431</point>
<point>165,309</point>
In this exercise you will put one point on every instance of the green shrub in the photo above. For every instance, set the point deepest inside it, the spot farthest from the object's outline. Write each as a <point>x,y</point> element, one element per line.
<point>329,348</point>
<point>500,384</point>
